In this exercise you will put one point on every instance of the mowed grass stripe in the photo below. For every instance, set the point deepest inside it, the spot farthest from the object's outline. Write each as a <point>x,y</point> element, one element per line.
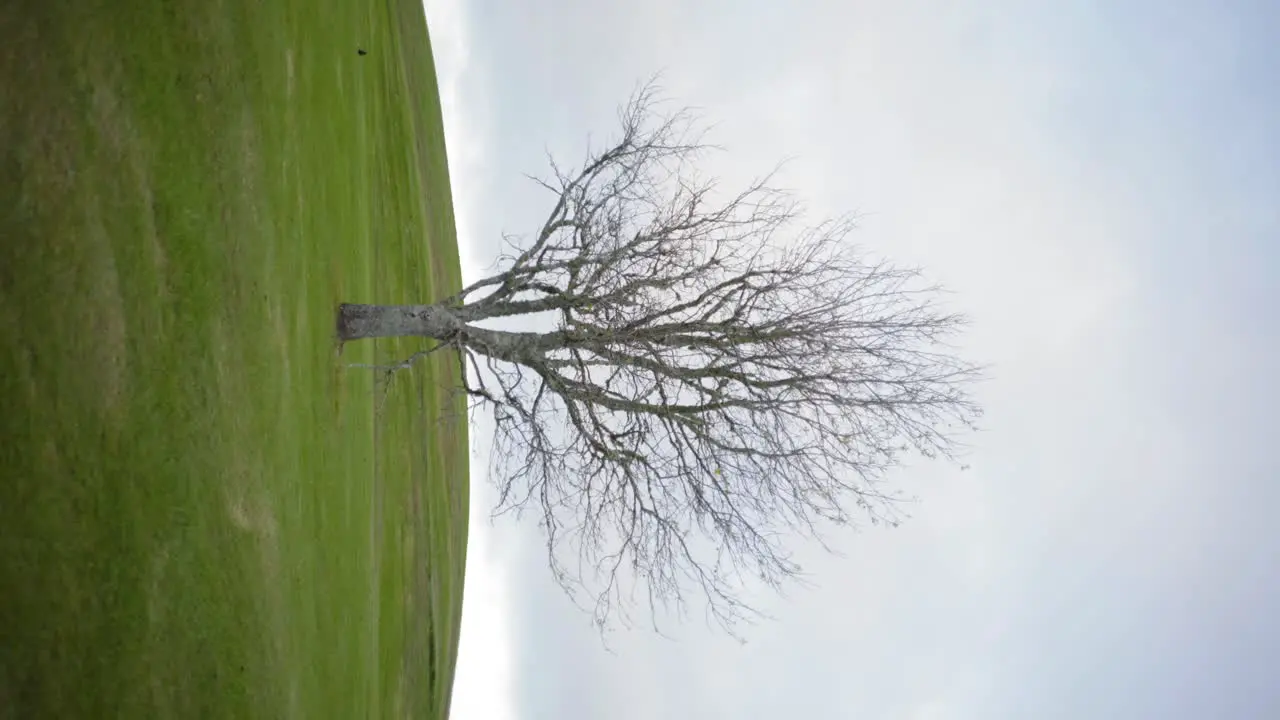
<point>190,519</point>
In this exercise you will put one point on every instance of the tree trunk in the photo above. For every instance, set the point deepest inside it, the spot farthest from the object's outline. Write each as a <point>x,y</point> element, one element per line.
<point>358,322</point>
<point>445,324</point>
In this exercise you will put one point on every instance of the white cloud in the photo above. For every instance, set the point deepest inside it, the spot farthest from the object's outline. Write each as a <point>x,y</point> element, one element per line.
<point>483,685</point>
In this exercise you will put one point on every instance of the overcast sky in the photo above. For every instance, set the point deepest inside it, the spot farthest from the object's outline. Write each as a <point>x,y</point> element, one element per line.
<point>1098,182</point>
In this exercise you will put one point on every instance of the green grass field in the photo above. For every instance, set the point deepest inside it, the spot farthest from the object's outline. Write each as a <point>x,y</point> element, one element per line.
<point>201,515</point>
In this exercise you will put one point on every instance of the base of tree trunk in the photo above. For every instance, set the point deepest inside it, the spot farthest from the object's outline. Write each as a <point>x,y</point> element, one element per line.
<point>355,321</point>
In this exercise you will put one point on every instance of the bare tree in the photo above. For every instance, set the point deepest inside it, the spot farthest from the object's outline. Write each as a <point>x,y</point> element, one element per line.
<point>713,377</point>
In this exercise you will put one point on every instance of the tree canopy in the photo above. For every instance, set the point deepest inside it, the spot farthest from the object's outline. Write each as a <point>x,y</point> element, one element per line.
<point>719,375</point>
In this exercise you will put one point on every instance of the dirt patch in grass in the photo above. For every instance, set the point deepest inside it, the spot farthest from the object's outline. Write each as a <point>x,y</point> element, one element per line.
<point>103,315</point>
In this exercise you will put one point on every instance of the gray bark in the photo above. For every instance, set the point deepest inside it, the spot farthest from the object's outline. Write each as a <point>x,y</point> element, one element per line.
<point>443,323</point>
<point>359,322</point>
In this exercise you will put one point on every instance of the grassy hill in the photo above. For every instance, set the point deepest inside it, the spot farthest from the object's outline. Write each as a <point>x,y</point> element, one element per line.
<point>201,513</point>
